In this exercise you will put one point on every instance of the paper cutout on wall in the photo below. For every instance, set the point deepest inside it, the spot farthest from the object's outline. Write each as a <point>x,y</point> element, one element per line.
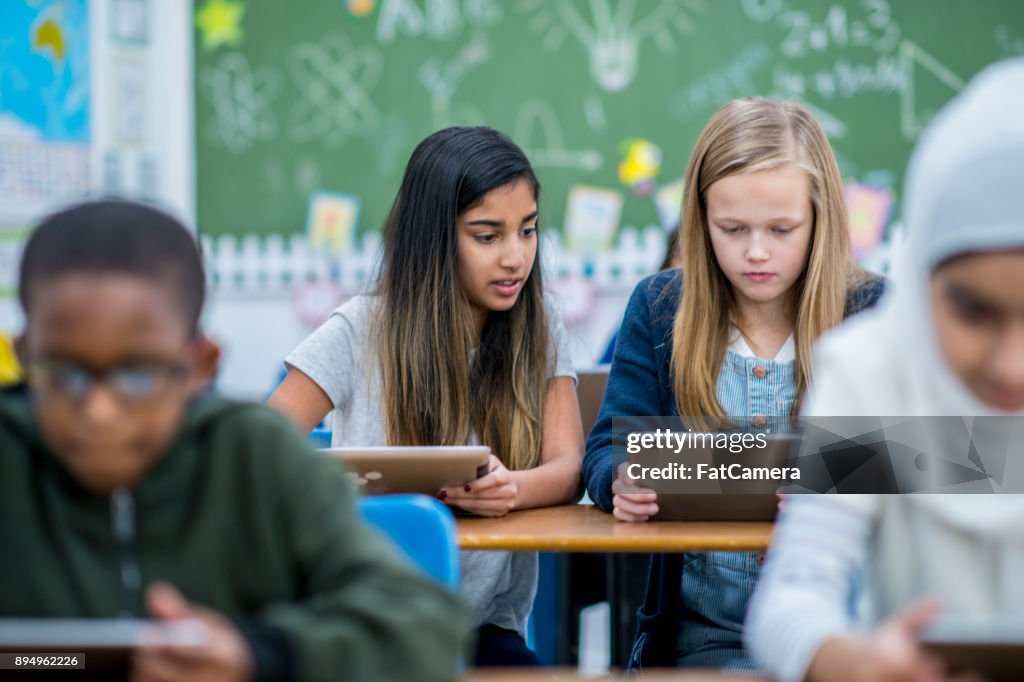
<point>129,109</point>
<point>592,218</point>
<point>10,370</point>
<point>331,222</point>
<point>129,21</point>
<point>359,8</point>
<point>45,102</point>
<point>668,202</point>
<point>869,214</point>
<point>220,23</point>
<point>640,165</point>
<point>576,297</point>
<point>313,301</point>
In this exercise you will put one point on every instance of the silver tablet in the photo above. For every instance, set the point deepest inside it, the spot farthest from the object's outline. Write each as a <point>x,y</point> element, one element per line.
<point>412,469</point>
<point>85,648</point>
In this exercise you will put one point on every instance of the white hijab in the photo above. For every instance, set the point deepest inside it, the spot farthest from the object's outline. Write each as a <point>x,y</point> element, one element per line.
<point>964,193</point>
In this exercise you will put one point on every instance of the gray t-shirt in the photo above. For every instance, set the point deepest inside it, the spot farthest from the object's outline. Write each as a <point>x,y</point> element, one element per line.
<point>498,586</point>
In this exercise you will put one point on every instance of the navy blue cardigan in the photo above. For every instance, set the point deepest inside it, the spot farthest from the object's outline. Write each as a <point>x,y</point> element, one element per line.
<point>643,355</point>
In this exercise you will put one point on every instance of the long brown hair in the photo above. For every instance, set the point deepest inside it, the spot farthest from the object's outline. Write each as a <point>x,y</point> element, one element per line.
<point>441,379</point>
<point>746,136</point>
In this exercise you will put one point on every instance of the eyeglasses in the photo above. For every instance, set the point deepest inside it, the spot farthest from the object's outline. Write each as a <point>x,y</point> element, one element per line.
<point>136,382</point>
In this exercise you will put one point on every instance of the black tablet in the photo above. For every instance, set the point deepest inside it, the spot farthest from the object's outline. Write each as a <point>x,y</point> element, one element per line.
<point>992,647</point>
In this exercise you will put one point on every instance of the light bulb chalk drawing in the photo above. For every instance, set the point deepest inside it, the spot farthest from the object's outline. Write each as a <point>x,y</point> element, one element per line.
<point>441,80</point>
<point>540,134</point>
<point>613,36</point>
<point>333,82</point>
<point>241,98</point>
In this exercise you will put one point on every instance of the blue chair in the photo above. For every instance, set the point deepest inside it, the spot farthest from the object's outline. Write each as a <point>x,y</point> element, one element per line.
<point>423,528</point>
<point>319,437</point>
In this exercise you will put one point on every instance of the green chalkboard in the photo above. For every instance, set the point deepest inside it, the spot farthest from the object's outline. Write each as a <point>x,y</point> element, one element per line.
<point>306,95</point>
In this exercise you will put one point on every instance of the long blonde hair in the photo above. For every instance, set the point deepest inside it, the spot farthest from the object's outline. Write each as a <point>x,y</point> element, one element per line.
<point>746,136</point>
<point>435,390</point>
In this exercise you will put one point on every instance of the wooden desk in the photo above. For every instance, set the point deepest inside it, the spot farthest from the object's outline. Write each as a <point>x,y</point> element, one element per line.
<point>570,675</point>
<point>585,528</point>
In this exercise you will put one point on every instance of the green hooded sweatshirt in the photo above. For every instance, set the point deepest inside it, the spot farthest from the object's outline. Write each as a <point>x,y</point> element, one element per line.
<point>240,516</point>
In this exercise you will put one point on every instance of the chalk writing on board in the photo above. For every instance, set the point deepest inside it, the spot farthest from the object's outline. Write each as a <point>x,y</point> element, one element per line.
<point>828,121</point>
<point>593,112</point>
<point>913,115</point>
<point>872,27</point>
<point>1009,44</point>
<point>805,35</point>
<point>333,80</point>
<point>436,19</point>
<point>538,131</point>
<point>441,79</point>
<point>842,79</point>
<point>761,10</point>
<point>612,35</point>
<point>307,175</point>
<point>734,79</point>
<point>391,144</point>
<point>241,98</point>
<point>301,175</point>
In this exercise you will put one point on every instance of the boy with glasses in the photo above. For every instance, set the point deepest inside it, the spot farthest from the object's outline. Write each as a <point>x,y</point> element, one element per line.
<point>126,489</point>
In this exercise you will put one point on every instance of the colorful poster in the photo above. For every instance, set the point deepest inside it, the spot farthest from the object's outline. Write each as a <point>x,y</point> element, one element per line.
<point>668,201</point>
<point>331,222</point>
<point>869,214</point>
<point>592,218</point>
<point>44,106</point>
<point>640,165</point>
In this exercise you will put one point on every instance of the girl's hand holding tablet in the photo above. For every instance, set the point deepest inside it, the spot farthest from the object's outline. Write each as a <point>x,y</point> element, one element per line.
<point>631,502</point>
<point>494,494</point>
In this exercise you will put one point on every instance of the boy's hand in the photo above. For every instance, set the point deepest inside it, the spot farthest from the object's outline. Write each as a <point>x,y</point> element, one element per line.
<point>225,655</point>
<point>889,653</point>
<point>632,503</point>
<point>493,494</point>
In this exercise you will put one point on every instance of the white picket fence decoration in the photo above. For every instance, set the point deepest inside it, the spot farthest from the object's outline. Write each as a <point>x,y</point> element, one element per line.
<point>274,264</point>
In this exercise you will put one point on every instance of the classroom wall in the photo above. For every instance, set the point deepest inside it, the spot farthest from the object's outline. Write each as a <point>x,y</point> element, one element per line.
<point>238,320</point>
<point>258,327</point>
<point>267,294</point>
<point>320,97</point>
<point>142,90</point>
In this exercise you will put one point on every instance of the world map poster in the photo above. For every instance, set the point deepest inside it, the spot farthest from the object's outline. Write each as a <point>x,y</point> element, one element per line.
<point>44,106</point>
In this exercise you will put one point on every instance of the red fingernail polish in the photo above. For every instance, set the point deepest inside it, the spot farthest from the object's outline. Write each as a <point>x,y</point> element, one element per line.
<point>467,488</point>
<point>443,495</point>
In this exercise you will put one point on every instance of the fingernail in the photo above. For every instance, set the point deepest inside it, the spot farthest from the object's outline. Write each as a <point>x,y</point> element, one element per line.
<point>467,488</point>
<point>443,495</point>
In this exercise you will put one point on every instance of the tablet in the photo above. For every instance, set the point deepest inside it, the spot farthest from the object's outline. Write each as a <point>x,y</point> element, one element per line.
<point>412,469</point>
<point>988,646</point>
<point>721,497</point>
<point>86,648</point>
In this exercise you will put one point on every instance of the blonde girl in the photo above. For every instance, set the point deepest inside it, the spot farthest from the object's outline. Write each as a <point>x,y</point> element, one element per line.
<point>766,269</point>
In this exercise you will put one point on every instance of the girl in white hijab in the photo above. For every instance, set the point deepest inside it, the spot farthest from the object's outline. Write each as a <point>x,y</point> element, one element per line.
<point>948,340</point>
